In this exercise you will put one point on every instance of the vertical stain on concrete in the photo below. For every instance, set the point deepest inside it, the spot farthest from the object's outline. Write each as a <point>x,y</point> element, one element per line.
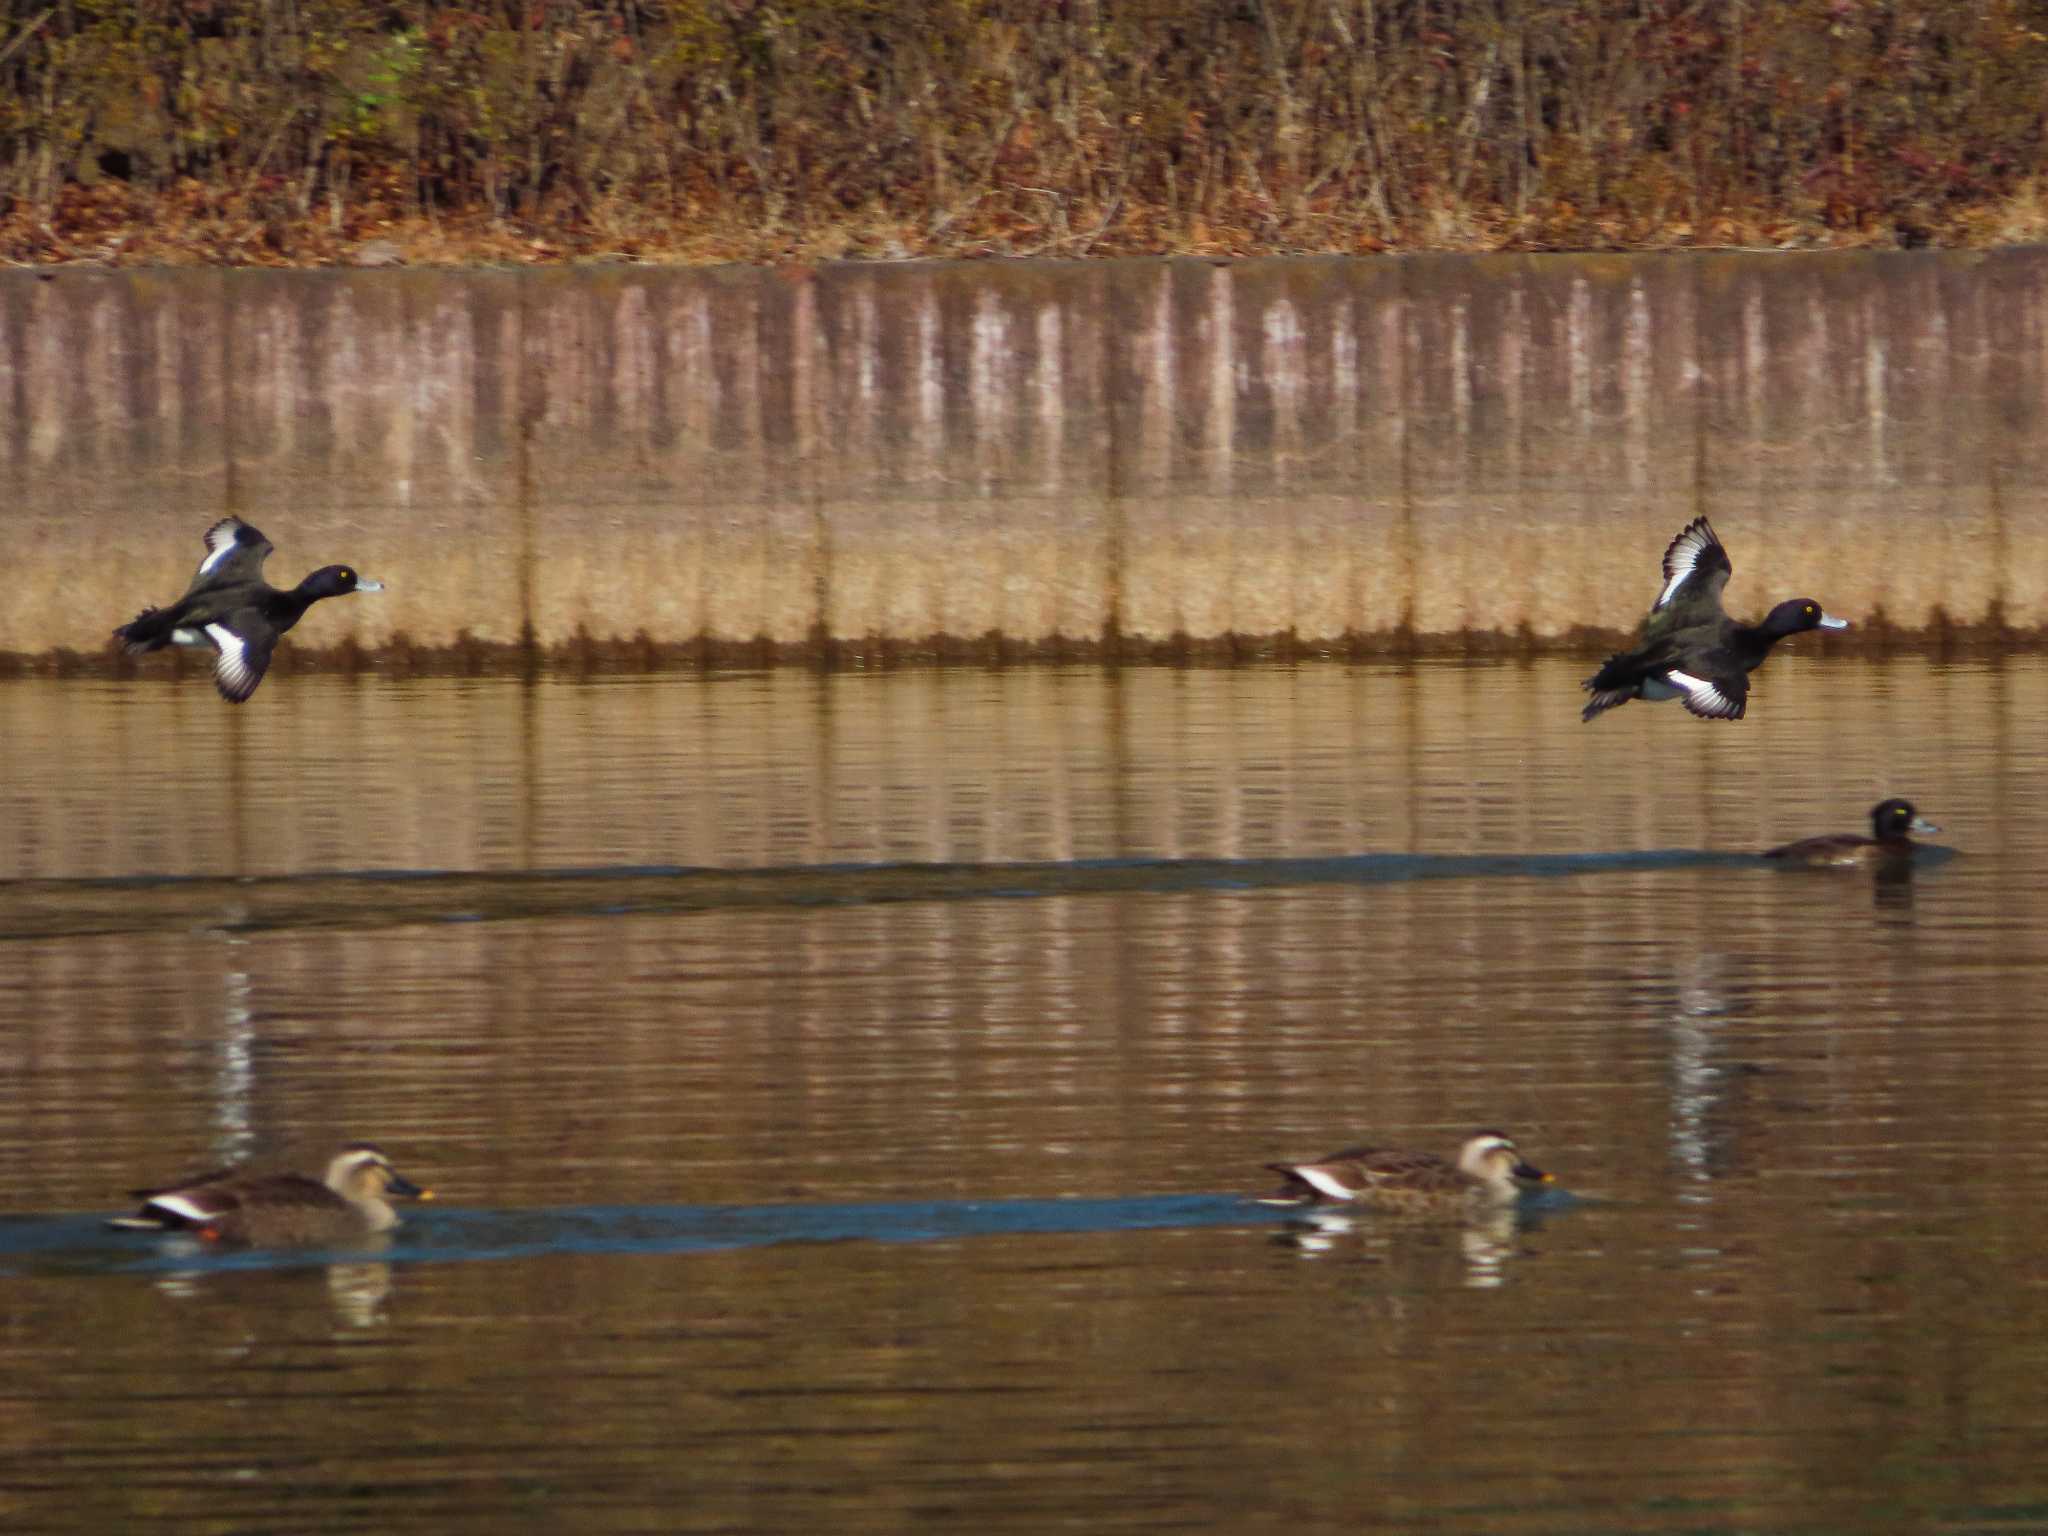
<point>1268,601</point>
<point>231,481</point>
<point>1636,378</point>
<point>18,339</point>
<point>1392,612</point>
<point>1342,622</point>
<point>15,333</point>
<point>1217,327</point>
<point>528,405</point>
<point>977,604</point>
<point>1152,455</point>
<point>403,420</point>
<point>1168,498</point>
<point>1875,357</point>
<point>806,371</point>
<point>786,519</point>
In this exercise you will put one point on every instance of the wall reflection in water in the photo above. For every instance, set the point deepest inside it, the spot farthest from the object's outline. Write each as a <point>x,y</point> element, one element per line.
<point>1799,1287</point>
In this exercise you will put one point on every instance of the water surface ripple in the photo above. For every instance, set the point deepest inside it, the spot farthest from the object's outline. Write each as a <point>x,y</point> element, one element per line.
<point>855,1082</point>
<point>369,898</point>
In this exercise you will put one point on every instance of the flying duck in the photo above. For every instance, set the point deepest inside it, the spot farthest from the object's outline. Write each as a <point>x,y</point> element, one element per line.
<point>230,607</point>
<point>1687,648</point>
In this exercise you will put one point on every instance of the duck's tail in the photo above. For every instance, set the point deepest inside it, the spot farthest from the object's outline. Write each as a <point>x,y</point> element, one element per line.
<point>1610,686</point>
<point>149,630</point>
<point>1604,699</point>
<point>1294,1191</point>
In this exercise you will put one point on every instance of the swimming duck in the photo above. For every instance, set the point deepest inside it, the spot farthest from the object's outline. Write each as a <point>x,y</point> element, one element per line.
<point>1485,1174</point>
<point>230,607</point>
<point>1687,648</point>
<point>238,1205</point>
<point>1890,821</point>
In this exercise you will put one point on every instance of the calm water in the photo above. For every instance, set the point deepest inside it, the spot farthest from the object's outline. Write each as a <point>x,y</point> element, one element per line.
<point>792,1182</point>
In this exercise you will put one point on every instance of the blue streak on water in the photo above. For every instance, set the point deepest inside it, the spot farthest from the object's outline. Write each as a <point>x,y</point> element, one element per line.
<point>84,1244</point>
<point>358,898</point>
<point>1030,877</point>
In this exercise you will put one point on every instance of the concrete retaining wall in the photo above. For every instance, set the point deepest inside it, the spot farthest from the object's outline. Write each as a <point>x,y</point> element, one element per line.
<point>1318,453</point>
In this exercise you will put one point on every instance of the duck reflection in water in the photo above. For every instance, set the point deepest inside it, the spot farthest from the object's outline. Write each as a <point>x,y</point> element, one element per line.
<point>358,1293</point>
<point>1487,1238</point>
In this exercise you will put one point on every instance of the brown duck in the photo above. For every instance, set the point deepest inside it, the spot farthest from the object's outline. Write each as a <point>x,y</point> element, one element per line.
<point>1490,1171</point>
<point>240,1205</point>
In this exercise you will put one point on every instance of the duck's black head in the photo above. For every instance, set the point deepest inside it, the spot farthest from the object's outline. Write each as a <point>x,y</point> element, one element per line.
<point>336,581</point>
<point>1895,818</point>
<point>1797,615</point>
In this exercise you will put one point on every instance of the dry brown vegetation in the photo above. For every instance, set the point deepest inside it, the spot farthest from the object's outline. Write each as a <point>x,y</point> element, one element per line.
<point>307,131</point>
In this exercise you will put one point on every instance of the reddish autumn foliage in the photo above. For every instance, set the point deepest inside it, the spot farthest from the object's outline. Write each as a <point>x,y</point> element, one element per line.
<point>247,131</point>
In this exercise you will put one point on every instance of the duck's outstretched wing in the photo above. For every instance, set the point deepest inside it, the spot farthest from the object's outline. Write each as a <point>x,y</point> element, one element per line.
<point>235,551</point>
<point>244,640</point>
<point>1722,697</point>
<point>1696,570</point>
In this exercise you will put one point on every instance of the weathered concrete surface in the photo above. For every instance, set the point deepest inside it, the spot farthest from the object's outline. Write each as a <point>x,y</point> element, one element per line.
<point>1019,458</point>
<point>379,424</point>
<point>1851,414</point>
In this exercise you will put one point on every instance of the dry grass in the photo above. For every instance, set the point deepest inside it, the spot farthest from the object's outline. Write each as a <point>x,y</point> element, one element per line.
<point>326,131</point>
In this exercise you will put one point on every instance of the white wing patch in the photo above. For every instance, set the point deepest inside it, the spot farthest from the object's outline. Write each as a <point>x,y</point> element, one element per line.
<point>1703,698</point>
<point>220,543</point>
<point>180,1206</point>
<point>1320,1180</point>
<point>232,672</point>
<point>1683,558</point>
